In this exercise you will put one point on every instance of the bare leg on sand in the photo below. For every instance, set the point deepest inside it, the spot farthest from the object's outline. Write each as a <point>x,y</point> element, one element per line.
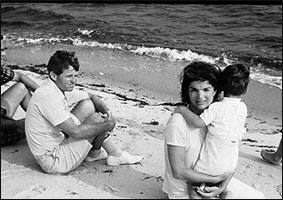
<point>272,157</point>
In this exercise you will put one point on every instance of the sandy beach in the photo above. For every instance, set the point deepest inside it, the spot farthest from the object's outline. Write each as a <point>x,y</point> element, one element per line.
<point>141,119</point>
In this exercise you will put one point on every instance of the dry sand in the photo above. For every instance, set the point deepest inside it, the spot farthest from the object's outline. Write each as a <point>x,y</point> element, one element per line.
<point>137,132</point>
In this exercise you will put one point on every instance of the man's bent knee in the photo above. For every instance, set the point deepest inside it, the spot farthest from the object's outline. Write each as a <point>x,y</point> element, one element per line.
<point>83,109</point>
<point>86,104</point>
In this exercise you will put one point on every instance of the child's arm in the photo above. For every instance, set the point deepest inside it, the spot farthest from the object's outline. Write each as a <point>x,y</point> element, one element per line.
<point>190,117</point>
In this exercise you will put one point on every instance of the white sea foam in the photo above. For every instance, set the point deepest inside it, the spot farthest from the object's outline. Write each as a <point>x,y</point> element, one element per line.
<point>85,32</point>
<point>259,73</point>
<point>266,79</point>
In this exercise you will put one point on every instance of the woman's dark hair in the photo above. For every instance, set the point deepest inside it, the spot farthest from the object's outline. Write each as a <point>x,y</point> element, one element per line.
<point>235,79</point>
<point>61,60</point>
<point>198,71</point>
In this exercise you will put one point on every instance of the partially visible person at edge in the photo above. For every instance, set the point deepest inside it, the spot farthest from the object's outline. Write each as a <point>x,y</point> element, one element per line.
<point>61,136</point>
<point>183,142</point>
<point>225,122</point>
<point>273,157</point>
<point>18,94</point>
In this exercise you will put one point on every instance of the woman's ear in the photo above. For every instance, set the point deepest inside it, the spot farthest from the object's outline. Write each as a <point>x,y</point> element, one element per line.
<point>53,76</point>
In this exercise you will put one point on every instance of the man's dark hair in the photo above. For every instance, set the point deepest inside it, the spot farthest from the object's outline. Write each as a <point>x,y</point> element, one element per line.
<point>61,60</point>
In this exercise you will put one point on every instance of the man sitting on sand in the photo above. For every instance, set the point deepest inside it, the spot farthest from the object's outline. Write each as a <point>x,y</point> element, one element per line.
<point>61,138</point>
<point>18,94</point>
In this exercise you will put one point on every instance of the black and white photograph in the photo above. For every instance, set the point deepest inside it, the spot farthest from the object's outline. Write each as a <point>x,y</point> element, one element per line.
<point>141,100</point>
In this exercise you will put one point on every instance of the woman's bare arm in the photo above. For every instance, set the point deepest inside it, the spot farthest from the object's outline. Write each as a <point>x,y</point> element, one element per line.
<point>180,171</point>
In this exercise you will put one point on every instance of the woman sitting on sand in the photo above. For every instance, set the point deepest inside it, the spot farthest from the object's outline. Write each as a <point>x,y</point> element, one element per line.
<point>183,142</point>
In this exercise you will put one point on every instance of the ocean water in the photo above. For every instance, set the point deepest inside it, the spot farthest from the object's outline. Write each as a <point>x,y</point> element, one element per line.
<point>149,44</point>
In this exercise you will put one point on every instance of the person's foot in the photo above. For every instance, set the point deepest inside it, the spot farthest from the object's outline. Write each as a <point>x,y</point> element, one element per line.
<point>91,157</point>
<point>269,156</point>
<point>124,159</point>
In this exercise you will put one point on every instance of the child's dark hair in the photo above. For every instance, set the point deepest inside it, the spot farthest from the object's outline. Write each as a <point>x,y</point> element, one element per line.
<point>235,79</point>
<point>61,60</point>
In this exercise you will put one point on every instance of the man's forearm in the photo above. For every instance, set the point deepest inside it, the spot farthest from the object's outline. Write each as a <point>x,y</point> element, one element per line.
<point>86,131</point>
<point>97,129</point>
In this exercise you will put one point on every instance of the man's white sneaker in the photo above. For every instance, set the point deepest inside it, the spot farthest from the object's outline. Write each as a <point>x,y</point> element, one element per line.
<point>102,155</point>
<point>124,159</point>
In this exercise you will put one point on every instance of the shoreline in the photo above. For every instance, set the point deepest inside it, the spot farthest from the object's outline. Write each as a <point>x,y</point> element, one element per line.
<point>135,110</point>
<point>163,86</point>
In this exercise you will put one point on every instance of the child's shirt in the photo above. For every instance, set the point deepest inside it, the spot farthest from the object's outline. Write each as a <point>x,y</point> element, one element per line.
<point>225,122</point>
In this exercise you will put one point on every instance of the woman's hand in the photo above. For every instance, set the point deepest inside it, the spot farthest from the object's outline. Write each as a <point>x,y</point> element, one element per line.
<point>209,192</point>
<point>212,191</point>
